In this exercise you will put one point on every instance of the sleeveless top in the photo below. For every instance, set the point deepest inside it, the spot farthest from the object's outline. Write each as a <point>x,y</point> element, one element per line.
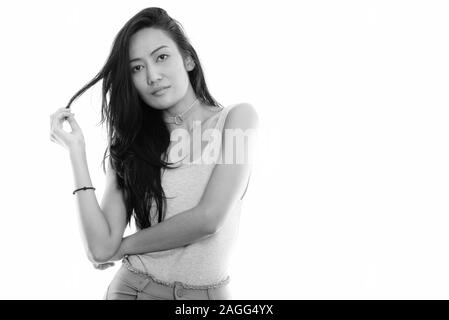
<point>204,262</point>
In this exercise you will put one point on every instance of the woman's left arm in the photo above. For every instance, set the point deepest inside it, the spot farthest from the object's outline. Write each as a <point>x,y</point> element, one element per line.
<point>225,187</point>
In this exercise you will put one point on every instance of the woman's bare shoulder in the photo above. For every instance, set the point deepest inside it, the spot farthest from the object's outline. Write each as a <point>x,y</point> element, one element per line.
<point>242,115</point>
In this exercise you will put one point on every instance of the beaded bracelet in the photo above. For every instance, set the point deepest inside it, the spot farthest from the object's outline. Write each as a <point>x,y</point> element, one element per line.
<point>83,188</point>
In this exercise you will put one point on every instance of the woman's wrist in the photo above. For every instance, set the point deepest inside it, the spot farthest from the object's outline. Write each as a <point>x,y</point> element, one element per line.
<point>77,148</point>
<point>78,154</point>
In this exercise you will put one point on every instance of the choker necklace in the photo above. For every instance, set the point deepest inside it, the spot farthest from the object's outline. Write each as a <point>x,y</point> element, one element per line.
<point>178,119</point>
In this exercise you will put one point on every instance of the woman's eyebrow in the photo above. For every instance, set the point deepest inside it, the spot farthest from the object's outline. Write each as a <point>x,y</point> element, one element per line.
<point>134,59</point>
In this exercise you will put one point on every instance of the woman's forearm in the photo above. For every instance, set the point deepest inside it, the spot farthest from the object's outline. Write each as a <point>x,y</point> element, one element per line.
<point>180,230</point>
<point>96,233</point>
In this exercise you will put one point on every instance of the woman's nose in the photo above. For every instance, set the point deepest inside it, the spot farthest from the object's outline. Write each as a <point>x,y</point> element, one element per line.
<point>152,75</point>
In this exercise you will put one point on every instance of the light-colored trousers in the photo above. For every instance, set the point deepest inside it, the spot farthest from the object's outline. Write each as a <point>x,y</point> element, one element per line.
<point>128,285</point>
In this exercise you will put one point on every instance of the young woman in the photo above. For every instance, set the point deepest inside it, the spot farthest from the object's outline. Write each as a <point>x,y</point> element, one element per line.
<point>173,167</point>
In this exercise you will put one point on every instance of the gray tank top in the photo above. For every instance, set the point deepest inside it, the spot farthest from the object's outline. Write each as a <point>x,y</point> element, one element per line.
<point>204,262</point>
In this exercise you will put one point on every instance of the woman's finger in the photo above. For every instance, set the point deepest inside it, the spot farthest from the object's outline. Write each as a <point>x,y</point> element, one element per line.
<point>73,123</point>
<point>59,111</point>
<point>53,138</point>
<point>103,266</point>
<point>58,119</point>
<point>58,115</point>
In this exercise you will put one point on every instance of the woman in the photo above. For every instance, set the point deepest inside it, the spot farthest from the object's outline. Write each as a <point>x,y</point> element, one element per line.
<point>186,209</point>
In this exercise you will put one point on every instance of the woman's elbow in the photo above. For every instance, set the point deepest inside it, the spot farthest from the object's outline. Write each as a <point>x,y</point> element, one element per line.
<point>212,224</point>
<point>210,229</point>
<point>96,257</point>
<point>100,255</point>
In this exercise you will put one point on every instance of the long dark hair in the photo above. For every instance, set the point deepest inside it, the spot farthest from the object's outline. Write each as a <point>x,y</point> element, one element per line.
<point>138,138</point>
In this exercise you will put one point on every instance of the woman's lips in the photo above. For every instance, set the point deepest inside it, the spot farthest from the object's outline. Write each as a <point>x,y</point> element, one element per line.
<point>161,91</point>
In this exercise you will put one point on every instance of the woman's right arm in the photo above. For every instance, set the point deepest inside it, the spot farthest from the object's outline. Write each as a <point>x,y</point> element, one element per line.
<point>102,227</point>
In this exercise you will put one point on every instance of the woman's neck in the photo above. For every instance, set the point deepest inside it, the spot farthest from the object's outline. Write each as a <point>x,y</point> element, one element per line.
<point>196,113</point>
<point>190,107</point>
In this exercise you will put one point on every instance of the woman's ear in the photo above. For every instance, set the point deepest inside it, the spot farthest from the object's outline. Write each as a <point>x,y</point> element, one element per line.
<point>189,63</point>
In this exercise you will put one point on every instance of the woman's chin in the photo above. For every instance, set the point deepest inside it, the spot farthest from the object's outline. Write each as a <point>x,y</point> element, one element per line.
<point>160,103</point>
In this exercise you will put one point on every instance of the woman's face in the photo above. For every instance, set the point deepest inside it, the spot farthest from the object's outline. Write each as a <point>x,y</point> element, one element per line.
<point>155,63</point>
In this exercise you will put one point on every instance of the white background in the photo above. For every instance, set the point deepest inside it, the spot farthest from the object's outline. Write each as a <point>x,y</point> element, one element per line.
<point>349,194</point>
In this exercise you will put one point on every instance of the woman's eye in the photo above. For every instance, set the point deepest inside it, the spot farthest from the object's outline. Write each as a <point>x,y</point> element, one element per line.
<point>163,55</point>
<point>134,69</point>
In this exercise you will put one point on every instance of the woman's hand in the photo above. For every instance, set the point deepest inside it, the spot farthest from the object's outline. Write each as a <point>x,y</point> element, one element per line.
<point>103,266</point>
<point>68,140</point>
